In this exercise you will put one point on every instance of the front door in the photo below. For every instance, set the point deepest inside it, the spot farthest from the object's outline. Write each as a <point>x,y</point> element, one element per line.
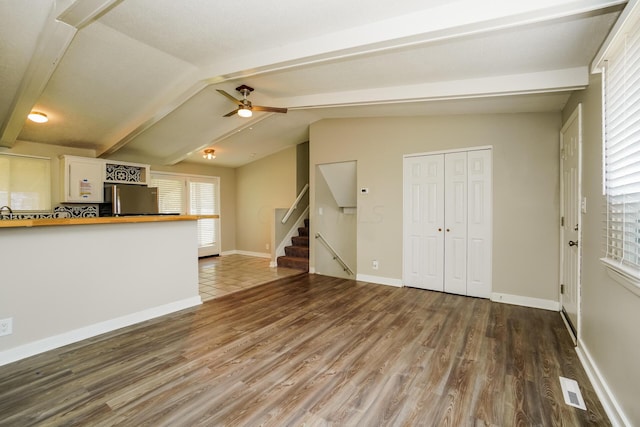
<point>570,149</point>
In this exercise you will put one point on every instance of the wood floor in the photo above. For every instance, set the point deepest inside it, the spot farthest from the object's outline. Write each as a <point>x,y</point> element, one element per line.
<point>311,350</point>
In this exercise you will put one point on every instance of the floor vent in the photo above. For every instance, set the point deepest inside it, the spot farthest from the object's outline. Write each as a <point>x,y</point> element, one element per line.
<point>571,393</point>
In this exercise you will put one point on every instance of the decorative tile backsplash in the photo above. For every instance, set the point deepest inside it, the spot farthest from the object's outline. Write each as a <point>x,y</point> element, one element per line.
<point>76,211</point>
<point>62,211</point>
<point>123,173</point>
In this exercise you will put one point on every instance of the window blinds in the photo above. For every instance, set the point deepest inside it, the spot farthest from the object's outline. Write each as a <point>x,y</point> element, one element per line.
<point>171,194</point>
<point>203,202</point>
<point>622,149</point>
<point>25,182</point>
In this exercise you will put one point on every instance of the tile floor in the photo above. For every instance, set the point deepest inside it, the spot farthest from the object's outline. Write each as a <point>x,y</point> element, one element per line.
<point>222,275</point>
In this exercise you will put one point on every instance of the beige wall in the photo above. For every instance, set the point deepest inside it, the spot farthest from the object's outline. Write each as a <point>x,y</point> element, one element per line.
<point>610,314</point>
<point>227,196</point>
<point>526,185</point>
<point>339,229</point>
<point>262,186</point>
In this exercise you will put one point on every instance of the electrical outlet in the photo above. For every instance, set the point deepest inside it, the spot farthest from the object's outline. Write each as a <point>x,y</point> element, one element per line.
<point>266,246</point>
<point>374,264</point>
<point>6,326</point>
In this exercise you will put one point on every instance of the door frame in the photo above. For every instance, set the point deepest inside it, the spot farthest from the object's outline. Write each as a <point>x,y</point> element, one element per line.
<point>575,335</point>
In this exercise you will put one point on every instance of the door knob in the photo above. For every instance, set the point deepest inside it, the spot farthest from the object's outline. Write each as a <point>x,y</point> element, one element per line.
<point>572,243</point>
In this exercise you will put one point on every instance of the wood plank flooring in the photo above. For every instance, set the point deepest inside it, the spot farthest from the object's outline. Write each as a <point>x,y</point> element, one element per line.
<point>311,350</point>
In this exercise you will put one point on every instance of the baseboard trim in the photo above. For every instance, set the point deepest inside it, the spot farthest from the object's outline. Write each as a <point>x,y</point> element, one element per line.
<point>544,304</point>
<point>56,341</point>
<point>378,280</point>
<point>255,254</point>
<point>607,399</point>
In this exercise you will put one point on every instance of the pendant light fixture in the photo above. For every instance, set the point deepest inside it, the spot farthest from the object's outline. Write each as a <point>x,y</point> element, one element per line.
<point>209,154</point>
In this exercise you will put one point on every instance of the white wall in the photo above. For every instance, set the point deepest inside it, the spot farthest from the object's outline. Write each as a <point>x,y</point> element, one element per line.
<point>61,284</point>
<point>526,188</point>
<point>610,319</point>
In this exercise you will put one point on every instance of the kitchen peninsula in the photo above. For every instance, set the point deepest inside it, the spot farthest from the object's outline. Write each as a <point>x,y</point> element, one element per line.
<point>68,279</point>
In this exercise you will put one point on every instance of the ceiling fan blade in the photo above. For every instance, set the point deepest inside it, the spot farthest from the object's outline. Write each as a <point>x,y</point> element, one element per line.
<point>231,98</point>
<point>231,113</point>
<point>269,109</point>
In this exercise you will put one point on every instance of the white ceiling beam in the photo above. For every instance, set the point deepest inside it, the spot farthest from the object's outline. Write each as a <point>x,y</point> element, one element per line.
<point>181,155</point>
<point>453,20</point>
<point>546,81</point>
<point>83,12</point>
<point>179,95</point>
<point>53,42</point>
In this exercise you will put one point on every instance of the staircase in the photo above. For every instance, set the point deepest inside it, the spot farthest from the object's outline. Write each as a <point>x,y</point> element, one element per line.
<point>297,255</point>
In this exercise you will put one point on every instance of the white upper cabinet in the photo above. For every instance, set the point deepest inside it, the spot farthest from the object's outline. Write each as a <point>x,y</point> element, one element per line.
<point>83,179</point>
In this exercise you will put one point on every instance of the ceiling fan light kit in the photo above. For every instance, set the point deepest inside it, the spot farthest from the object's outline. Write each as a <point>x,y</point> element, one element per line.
<point>244,112</point>
<point>245,108</point>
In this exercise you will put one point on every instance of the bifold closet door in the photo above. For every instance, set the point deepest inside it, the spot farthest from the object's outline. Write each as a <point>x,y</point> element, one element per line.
<point>479,223</point>
<point>423,222</point>
<point>447,222</point>
<point>455,223</point>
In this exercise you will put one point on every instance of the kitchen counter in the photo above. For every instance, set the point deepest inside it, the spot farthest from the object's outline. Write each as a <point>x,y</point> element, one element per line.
<point>13,223</point>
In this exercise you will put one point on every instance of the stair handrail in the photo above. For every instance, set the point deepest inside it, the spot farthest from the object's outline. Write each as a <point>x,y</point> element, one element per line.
<point>335,255</point>
<point>294,206</point>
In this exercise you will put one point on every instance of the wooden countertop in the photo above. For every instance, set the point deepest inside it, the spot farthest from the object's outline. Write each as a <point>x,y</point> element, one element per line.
<point>14,223</point>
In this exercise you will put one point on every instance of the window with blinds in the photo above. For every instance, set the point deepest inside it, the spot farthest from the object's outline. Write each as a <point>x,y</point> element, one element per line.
<point>622,150</point>
<point>25,182</point>
<point>202,201</point>
<point>171,194</point>
<point>193,195</point>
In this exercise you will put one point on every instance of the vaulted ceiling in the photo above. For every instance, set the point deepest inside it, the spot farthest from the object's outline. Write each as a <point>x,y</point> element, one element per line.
<point>137,79</point>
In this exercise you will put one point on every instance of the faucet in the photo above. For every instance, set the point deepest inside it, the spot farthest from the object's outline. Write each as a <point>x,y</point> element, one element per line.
<point>3,214</point>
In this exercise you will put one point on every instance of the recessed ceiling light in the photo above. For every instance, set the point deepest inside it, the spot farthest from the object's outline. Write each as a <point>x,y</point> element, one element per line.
<point>38,117</point>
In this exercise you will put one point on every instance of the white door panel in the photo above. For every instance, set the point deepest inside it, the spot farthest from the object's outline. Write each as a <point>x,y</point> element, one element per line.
<point>423,250</point>
<point>479,224</point>
<point>570,140</point>
<point>455,213</point>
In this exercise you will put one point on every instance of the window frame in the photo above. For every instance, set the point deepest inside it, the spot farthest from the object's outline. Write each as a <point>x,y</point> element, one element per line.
<point>617,47</point>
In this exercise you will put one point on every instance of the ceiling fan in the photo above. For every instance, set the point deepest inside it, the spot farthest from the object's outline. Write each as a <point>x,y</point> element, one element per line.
<point>244,106</point>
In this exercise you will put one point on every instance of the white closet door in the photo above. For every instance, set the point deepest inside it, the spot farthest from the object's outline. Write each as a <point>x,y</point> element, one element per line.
<point>479,224</point>
<point>455,221</point>
<point>424,222</point>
